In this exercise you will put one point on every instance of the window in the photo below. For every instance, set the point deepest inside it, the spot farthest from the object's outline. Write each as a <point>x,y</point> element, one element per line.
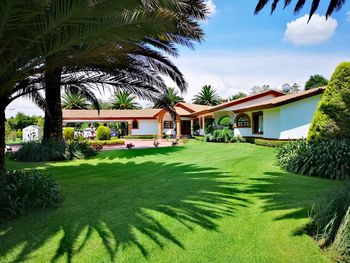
<point>258,123</point>
<point>243,121</point>
<point>168,125</point>
<point>135,124</point>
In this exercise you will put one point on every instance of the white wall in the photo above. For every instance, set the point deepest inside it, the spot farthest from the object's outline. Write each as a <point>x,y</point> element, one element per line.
<point>146,127</point>
<point>272,123</point>
<point>296,117</point>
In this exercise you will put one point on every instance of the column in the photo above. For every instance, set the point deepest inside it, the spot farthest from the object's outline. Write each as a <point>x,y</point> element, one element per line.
<point>160,128</point>
<point>178,128</point>
<point>192,127</point>
<point>129,127</point>
<point>203,125</point>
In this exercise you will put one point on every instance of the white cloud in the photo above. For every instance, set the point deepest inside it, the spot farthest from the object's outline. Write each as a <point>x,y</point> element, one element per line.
<point>211,7</point>
<point>317,31</point>
<point>230,72</point>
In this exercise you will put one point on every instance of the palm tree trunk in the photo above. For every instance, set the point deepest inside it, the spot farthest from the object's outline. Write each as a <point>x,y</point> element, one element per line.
<point>53,111</point>
<point>2,139</point>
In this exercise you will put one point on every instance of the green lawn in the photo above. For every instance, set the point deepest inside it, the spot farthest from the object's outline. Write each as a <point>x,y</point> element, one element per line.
<point>196,203</point>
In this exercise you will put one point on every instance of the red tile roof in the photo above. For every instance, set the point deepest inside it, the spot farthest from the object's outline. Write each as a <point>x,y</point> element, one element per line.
<point>239,101</point>
<point>275,102</point>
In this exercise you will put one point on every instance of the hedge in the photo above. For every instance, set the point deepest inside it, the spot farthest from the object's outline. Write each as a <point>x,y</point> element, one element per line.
<point>145,137</point>
<point>98,144</point>
<point>332,117</point>
<point>270,143</point>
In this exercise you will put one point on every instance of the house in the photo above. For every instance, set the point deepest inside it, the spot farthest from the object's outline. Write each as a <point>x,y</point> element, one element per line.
<point>32,133</point>
<point>269,115</point>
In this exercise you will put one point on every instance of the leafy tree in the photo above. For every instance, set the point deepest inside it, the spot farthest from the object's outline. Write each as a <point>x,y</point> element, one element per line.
<point>334,5</point>
<point>238,95</point>
<point>332,117</point>
<point>316,81</point>
<point>21,121</point>
<point>207,96</point>
<point>74,101</point>
<point>124,101</point>
<point>259,89</point>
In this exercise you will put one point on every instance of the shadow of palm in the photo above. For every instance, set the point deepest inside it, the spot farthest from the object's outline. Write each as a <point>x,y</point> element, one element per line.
<point>124,203</point>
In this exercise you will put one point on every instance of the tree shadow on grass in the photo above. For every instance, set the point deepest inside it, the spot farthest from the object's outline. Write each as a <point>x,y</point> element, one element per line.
<point>130,154</point>
<point>285,191</point>
<point>125,204</point>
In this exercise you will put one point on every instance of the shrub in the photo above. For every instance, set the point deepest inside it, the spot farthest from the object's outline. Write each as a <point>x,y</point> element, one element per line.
<point>47,150</point>
<point>199,138</point>
<point>19,134</point>
<point>270,143</point>
<point>107,143</point>
<point>332,117</point>
<point>68,133</point>
<point>329,159</point>
<point>79,150</point>
<point>238,139</point>
<point>25,190</point>
<point>103,133</point>
<point>221,135</point>
<point>52,150</point>
<point>225,121</point>
<point>330,222</point>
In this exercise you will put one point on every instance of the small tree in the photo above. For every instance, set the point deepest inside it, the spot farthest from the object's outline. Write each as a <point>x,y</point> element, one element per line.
<point>103,133</point>
<point>332,118</point>
<point>316,81</point>
<point>68,133</point>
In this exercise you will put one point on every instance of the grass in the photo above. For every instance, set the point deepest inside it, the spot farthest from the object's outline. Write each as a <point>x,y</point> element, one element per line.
<point>200,202</point>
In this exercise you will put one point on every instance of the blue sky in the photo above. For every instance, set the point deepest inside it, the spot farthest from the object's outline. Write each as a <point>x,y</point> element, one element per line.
<point>233,26</point>
<point>242,49</point>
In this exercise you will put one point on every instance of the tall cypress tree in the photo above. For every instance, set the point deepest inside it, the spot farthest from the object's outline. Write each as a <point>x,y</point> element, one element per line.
<point>332,118</point>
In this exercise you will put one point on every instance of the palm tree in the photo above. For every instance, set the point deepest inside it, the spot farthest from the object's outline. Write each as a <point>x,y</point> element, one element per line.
<point>207,96</point>
<point>134,67</point>
<point>35,35</point>
<point>122,100</point>
<point>171,98</point>
<point>74,101</point>
<point>334,5</point>
<point>168,101</point>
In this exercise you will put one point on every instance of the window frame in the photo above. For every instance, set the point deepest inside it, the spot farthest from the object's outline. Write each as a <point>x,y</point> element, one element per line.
<point>245,116</point>
<point>170,125</point>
